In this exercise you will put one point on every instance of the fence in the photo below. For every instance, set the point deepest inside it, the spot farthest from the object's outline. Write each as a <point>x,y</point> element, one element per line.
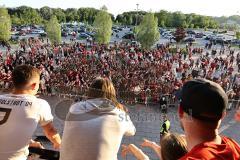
<point>145,97</point>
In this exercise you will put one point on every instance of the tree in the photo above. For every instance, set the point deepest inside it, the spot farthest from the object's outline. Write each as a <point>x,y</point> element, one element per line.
<point>178,19</point>
<point>192,26</point>
<point>53,29</point>
<point>129,20</point>
<point>185,25</point>
<point>147,31</point>
<point>46,13</point>
<point>180,34</point>
<point>103,27</point>
<point>71,15</point>
<point>59,13</point>
<point>162,18</point>
<point>120,18</point>
<point>29,15</point>
<point>16,20</point>
<point>5,25</point>
<point>238,35</point>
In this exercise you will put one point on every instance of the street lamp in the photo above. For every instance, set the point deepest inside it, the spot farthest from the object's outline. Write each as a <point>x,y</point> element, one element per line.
<point>137,13</point>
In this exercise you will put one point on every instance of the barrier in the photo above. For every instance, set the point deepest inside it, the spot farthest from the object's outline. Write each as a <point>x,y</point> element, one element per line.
<point>233,104</point>
<point>145,97</point>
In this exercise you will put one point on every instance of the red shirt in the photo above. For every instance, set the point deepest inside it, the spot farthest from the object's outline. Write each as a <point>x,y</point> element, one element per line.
<point>228,150</point>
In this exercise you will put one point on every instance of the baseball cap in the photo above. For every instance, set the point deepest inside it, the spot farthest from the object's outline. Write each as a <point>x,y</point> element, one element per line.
<point>203,99</point>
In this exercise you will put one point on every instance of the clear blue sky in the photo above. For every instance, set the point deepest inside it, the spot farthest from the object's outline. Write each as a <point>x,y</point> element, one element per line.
<point>204,7</point>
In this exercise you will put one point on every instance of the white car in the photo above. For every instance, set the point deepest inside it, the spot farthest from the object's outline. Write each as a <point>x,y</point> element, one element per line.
<point>37,31</point>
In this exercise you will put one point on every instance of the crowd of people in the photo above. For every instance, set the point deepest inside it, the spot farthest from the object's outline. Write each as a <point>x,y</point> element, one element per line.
<point>138,75</point>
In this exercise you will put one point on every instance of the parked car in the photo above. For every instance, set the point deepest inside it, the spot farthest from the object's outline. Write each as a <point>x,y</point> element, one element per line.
<point>169,36</point>
<point>43,34</point>
<point>120,29</point>
<point>37,31</point>
<point>219,39</point>
<point>84,36</point>
<point>21,33</point>
<point>199,35</point>
<point>135,43</point>
<point>64,34</point>
<point>115,30</point>
<point>128,36</point>
<point>190,32</point>
<point>91,34</point>
<point>236,41</point>
<point>189,39</point>
<point>82,30</point>
<point>210,37</point>
<point>14,38</point>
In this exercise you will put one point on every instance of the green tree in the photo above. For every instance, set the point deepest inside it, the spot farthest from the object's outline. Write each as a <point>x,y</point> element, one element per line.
<point>162,18</point>
<point>5,25</point>
<point>178,19</point>
<point>53,29</point>
<point>71,15</point>
<point>185,25</point>
<point>147,31</point>
<point>238,35</point>
<point>120,18</point>
<point>162,24</point>
<point>46,13</point>
<point>103,27</point>
<point>59,13</point>
<point>129,20</point>
<point>29,15</point>
<point>192,26</point>
<point>16,20</point>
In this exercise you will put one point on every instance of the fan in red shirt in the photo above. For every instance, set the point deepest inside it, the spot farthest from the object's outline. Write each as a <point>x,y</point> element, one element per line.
<point>227,150</point>
<point>202,107</point>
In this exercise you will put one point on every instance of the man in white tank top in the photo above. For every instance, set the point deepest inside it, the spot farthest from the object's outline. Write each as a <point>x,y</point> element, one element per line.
<point>20,113</point>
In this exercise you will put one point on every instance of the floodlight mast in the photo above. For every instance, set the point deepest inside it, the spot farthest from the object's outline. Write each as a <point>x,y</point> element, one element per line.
<point>137,14</point>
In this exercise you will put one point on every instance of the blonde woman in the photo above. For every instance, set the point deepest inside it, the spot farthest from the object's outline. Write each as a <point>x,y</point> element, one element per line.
<point>94,128</point>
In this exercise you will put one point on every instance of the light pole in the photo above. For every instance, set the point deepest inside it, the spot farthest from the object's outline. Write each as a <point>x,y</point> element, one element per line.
<point>137,13</point>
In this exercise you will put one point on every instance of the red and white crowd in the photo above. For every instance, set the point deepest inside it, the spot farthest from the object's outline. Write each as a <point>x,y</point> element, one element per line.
<point>69,68</point>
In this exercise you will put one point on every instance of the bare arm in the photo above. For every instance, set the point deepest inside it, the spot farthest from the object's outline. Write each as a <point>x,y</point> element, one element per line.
<point>52,134</point>
<point>153,146</point>
<point>138,153</point>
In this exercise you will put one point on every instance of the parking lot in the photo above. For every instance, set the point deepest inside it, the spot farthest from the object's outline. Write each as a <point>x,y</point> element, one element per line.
<point>81,33</point>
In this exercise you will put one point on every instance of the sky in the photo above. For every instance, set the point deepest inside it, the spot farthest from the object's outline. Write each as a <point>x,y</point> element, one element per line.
<point>203,7</point>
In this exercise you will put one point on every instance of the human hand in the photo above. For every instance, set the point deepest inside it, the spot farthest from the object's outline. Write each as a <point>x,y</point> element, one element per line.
<point>35,144</point>
<point>56,146</point>
<point>125,151</point>
<point>146,143</point>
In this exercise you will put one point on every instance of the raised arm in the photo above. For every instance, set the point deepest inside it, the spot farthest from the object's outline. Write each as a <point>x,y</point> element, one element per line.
<point>135,151</point>
<point>153,146</point>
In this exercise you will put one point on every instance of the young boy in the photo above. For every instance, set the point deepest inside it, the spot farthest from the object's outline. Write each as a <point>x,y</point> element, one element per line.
<point>20,113</point>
